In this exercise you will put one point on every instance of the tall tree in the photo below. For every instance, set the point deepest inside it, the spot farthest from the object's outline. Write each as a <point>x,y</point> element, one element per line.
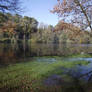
<point>79,11</point>
<point>29,25</point>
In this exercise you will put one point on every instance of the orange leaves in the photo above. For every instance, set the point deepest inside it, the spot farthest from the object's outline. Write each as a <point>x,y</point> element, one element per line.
<point>61,7</point>
<point>9,27</point>
<point>72,31</point>
<point>63,25</point>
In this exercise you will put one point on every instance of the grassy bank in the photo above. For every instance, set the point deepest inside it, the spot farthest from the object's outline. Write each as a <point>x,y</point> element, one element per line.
<point>27,76</point>
<point>81,55</point>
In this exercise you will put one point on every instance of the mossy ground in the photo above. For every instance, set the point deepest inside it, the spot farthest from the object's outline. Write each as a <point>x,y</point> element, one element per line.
<point>29,76</point>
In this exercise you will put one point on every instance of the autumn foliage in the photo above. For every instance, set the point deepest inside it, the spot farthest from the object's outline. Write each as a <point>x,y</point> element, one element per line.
<point>78,11</point>
<point>72,32</point>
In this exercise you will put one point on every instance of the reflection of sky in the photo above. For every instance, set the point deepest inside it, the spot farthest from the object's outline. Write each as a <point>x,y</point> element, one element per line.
<point>80,70</point>
<point>40,9</point>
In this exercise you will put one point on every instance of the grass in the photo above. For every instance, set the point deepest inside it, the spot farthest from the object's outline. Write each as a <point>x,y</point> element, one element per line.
<point>30,74</point>
<point>81,55</point>
<point>85,55</point>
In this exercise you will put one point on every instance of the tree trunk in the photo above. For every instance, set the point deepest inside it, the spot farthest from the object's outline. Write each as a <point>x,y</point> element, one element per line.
<point>85,14</point>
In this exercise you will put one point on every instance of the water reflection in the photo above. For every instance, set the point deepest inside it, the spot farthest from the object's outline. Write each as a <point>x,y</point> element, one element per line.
<point>15,52</point>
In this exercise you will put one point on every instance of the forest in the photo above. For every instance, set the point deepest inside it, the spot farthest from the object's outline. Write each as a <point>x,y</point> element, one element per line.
<point>15,28</point>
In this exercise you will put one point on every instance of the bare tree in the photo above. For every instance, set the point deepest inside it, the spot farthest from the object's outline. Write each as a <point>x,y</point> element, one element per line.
<point>79,11</point>
<point>10,5</point>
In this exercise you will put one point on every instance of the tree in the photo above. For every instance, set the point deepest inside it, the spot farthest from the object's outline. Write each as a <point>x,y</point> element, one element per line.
<point>8,29</point>
<point>3,19</point>
<point>9,5</point>
<point>29,25</point>
<point>22,26</point>
<point>45,33</point>
<point>79,11</point>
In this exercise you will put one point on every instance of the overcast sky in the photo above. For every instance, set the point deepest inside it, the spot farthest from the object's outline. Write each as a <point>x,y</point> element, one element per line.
<point>40,9</point>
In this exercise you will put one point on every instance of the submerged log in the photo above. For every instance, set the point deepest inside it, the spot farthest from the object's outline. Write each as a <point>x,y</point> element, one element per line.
<point>86,74</point>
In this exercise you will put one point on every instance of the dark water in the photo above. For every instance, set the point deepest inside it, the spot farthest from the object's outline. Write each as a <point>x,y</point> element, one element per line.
<point>12,53</point>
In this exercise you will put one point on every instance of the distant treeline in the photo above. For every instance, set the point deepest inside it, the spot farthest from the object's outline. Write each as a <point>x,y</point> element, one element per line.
<point>14,27</point>
<point>61,33</point>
